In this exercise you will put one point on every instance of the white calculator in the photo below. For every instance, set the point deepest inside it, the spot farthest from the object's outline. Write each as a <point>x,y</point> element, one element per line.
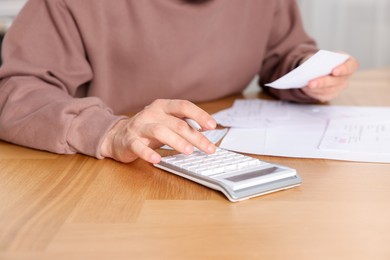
<point>237,176</point>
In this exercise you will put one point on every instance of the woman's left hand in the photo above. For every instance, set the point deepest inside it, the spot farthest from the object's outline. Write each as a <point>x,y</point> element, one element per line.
<point>328,87</point>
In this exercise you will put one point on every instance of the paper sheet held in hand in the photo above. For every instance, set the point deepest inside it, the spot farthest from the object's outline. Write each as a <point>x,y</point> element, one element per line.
<point>320,64</point>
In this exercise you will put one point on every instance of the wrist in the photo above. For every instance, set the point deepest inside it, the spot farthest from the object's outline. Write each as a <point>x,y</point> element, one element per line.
<point>107,145</point>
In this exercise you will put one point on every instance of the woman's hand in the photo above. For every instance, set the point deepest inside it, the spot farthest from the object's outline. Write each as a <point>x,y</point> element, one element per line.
<point>328,87</point>
<point>159,123</point>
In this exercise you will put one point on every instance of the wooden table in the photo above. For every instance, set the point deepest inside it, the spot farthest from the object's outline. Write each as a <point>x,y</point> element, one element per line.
<point>76,207</point>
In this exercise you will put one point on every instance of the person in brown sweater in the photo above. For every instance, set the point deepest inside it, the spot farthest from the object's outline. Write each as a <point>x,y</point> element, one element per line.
<point>72,69</point>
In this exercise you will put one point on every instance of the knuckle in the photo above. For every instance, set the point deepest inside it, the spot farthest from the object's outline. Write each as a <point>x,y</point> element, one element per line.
<point>148,113</point>
<point>182,104</point>
<point>181,126</point>
<point>145,115</point>
<point>157,131</point>
<point>138,121</point>
<point>157,103</point>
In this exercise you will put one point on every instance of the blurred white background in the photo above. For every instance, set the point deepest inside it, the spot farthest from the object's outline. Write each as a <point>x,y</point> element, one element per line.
<point>8,10</point>
<point>359,27</point>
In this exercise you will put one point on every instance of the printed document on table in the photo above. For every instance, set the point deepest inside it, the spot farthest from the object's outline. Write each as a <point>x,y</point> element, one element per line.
<point>320,64</point>
<point>358,134</point>
<point>249,113</point>
<point>305,131</point>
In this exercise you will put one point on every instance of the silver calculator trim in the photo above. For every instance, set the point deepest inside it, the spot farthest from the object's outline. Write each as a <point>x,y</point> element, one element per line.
<point>236,195</point>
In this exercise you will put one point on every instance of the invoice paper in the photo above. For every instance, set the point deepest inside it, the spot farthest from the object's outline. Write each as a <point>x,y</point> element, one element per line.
<point>311,131</point>
<point>357,134</point>
<point>250,113</point>
<point>320,64</point>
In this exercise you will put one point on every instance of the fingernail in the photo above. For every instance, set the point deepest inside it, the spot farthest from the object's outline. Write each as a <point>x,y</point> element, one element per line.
<point>211,124</point>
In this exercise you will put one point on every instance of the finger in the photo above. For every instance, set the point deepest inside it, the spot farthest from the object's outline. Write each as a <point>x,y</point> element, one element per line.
<point>191,135</point>
<point>180,136</point>
<point>322,95</point>
<point>163,134</point>
<point>347,68</point>
<point>328,90</point>
<point>196,138</point>
<point>144,152</point>
<point>319,97</point>
<point>328,81</point>
<point>323,91</point>
<point>187,109</point>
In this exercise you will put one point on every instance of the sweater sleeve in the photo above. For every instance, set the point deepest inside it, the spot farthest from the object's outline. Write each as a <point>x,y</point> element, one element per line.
<point>287,45</point>
<point>45,68</point>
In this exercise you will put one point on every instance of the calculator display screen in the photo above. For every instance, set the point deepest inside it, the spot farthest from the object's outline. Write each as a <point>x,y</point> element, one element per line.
<point>254,174</point>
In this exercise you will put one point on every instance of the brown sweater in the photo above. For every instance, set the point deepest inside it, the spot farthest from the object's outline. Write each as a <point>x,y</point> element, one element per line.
<point>72,67</point>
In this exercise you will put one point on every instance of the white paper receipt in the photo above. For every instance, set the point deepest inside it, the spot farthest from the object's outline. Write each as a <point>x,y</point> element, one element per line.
<point>357,135</point>
<point>320,64</point>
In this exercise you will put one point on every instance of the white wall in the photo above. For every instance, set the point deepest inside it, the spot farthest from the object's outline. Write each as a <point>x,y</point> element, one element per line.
<point>11,7</point>
<point>8,10</point>
<point>359,27</point>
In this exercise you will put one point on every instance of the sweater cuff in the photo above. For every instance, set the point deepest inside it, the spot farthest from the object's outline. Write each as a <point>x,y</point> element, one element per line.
<point>89,129</point>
